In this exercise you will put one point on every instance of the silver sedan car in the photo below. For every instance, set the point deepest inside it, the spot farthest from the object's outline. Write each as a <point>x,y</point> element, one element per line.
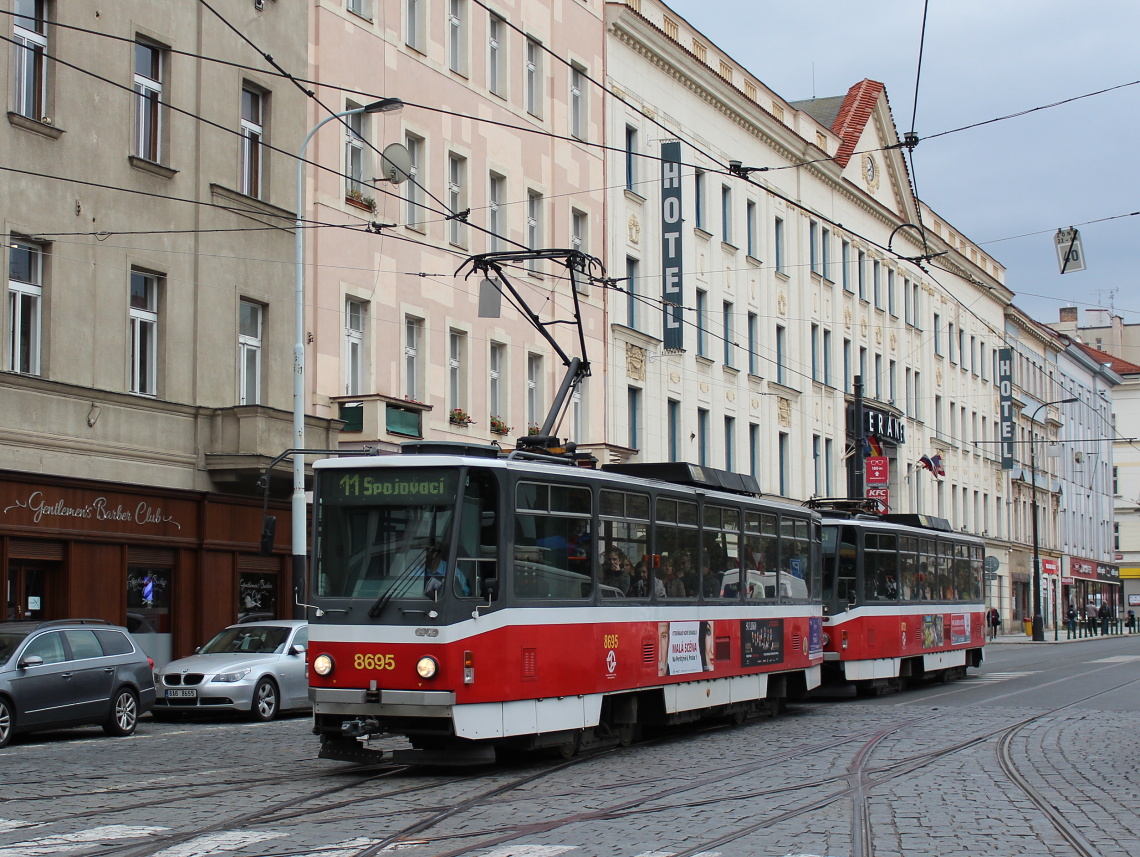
<point>257,667</point>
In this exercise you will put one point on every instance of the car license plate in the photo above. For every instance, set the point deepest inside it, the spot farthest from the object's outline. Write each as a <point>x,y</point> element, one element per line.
<point>181,694</point>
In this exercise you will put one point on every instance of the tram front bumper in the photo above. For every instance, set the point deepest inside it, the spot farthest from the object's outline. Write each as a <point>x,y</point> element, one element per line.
<point>382,703</point>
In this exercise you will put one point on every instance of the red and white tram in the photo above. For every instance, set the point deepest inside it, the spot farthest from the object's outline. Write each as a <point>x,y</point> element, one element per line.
<point>472,601</point>
<point>902,599</point>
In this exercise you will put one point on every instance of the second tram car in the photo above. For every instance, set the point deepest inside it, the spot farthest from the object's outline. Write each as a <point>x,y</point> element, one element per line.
<point>472,601</point>
<point>903,599</point>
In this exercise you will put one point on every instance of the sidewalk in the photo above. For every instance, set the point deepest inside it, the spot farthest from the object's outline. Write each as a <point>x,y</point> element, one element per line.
<point>1016,639</point>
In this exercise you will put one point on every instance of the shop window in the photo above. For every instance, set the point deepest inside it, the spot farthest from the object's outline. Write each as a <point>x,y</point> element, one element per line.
<point>148,600</point>
<point>257,596</point>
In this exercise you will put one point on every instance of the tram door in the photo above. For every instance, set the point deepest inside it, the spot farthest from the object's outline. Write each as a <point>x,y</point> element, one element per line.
<point>28,590</point>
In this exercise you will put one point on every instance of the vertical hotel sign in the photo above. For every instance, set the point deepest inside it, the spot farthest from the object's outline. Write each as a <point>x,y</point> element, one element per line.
<point>1005,392</point>
<point>672,289</point>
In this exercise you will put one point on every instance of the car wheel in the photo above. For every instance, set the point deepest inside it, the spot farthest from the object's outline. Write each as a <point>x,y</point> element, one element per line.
<point>7,722</point>
<point>266,702</point>
<point>124,716</point>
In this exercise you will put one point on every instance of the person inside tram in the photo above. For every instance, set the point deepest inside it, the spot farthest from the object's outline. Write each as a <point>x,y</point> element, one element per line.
<point>686,574</point>
<point>434,570</point>
<point>612,572</point>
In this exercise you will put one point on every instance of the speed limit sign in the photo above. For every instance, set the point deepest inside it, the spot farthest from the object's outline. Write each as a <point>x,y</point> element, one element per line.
<point>1070,256</point>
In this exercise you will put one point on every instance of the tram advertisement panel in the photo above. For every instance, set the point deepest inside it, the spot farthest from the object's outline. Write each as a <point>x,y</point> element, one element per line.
<point>815,636</point>
<point>959,627</point>
<point>762,642</point>
<point>931,631</point>
<point>688,647</point>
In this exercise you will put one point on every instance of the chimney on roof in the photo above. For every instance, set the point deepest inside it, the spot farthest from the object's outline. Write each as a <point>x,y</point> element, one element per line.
<point>1069,314</point>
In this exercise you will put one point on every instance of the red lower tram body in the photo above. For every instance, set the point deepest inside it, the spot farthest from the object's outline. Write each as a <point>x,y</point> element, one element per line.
<point>525,678</point>
<point>878,647</point>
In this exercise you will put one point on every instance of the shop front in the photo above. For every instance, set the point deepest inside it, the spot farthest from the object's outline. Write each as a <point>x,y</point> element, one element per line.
<point>1094,583</point>
<point>172,566</point>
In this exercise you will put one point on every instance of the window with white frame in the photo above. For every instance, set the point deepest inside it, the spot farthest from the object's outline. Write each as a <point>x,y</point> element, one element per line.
<point>781,354</point>
<point>813,247</point>
<point>533,226</point>
<point>750,226</point>
<point>413,192</point>
<point>457,36</point>
<point>754,450</point>
<point>249,352</point>
<point>727,326</point>
<point>753,357</point>
<point>496,49</point>
<point>577,102</point>
<point>578,399</point>
<point>363,8</point>
<point>456,370</point>
<point>355,162</point>
<point>414,24</point>
<point>673,439</point>
<point>29,36</point>
<point>633,416</point>
<point>25,299</point>
<point>845,264</point>
<point>496,382</point>
<point>252,140</point>
<point>726,213</point>
<point>778,230</point>
<point>144,333</point>
<point>861,274</point>
<point>729,443</point>
<point>457,198</point>
<point>631,274</point>
<point>702,437</point>
<point>825,252</point>
<point>699,199</point>
<point>413,336</point>
<point>354,320</point>
<point>534,414</point>
<point>702,323</point>
<point>579,225</point>
<point>496,215</point>
<point>533,74</point>
<point>631,158</point>
<point>149,62</point>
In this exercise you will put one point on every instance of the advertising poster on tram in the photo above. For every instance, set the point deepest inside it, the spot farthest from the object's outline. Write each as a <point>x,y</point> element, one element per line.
<point>815,637</point>
<point>959,628</point>
<point>931,631</point>
<point>762,642</point>
<point>685,647</point>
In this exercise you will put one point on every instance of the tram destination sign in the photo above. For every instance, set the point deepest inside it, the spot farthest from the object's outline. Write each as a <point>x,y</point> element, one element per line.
<point>392,487</point>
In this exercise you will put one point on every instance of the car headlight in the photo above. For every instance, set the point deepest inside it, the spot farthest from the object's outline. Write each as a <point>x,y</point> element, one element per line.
<point>427,666</point>
<point>322,665</point>
<point>236,675</point>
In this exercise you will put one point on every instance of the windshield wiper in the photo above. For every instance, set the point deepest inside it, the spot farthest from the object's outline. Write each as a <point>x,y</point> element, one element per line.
<point>376,609</point>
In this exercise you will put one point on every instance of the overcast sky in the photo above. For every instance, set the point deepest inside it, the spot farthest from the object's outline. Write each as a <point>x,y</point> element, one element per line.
<point>983,59</point>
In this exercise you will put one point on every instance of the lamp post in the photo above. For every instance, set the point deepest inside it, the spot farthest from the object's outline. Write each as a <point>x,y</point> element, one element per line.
<point>1038,619</point>
<point>384,105</point>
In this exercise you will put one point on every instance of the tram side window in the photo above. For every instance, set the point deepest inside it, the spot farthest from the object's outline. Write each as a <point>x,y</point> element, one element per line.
<point>880,567</point>
<point>477,551</point>
<point>816,580</point>
<point>945,571</point>
<point>927,571</point>
<point>677,541</point>
<point>794,558</point>
<point>908,567</point>
<point>552,542</point>
<point>977,567</point>
<point>624,524</point>
<point>761,557</point>
<point>847,565</point>
<point>963,589</point>
<point>720,554</point>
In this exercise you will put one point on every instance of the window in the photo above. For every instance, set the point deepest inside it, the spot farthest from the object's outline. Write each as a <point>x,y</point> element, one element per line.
<point>415,24</point>
<point>753,362</point>
<point>495,380</point>
<point>456,370</point>
<point>817,464</point>
<point>729,443</point>
<point>973,355</point>
<point>457,198</point>
<point>827,357</point>
<point>631,269</point>
<point>702,309</point>
<point>754,450</point>
<point>750,226</point>
<point>413,190</point>
<point>892,371</point>
<point>908,391</point>
<point>457,36</point>
<point>363,8</point>
<point>354,315</point>
<point>815,352</point>
<point>496,217</point>
<point>578,231</point>
<point>937,334</point>
<point>702,437</point>
<point>249,352</point>
<point>577,102</point>
<point>914,304</point>
<point>674,439</point>
<point>148,102</point>
<point>845,264</point>
<point>533,226</point>
<point>534,78</point>
<point>495,49</point>
<point>413,334</point>
<point>728,344</point>
<point>726,213</point>
<point>962,347</point>
<point>828,458</point>
<point>29,34</point>
<point>861,275</point>
<point>634,418</point>
<point>950,341</point>
<point>876,283</point>
<point>825,252</point>
<point>1115,480</point>
<point>25,298</point>
<point>918,395</point>
<point>533,390</point>
<point>577,411</point>
<point>891,307</point>
<point>144,333</point>
<point>783,453</point>
<point>630,158</point>
<point>252,137</point>
<point>879,377</point>
<point>779,245</point>
<point>354,155</point>
<point>781,355</point>
<point>908,308</point>
<point>699,198</point>
<point>813,246</point>
<point>846,365</point>
<point>863,370</point>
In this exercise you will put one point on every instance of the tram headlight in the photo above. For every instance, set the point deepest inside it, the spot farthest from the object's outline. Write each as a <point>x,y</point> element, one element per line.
<point>322,665</point>
<point>427,666</point>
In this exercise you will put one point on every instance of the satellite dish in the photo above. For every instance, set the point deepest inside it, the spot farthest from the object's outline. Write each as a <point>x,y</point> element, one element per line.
<point>395,164</point>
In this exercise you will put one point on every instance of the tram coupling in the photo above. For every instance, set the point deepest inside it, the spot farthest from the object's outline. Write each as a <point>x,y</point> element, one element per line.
<point>361,727</point>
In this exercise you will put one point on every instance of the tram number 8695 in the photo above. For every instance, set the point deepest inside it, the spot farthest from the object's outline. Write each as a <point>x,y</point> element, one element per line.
<point>374,662</point>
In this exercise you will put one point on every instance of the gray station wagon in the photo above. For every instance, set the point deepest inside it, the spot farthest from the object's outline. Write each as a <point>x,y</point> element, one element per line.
<point>71,672</point>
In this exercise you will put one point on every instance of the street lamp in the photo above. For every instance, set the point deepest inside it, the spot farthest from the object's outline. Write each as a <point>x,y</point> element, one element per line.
<point>384,105</point>
<point>1038,619</point>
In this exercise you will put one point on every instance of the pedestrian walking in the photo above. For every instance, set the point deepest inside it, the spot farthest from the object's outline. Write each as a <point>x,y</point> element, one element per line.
<point>1130,622</point>
<point>994,620</point>
<point>1072,617</point>
<point>1104,613</point>
<point>1090,619</point>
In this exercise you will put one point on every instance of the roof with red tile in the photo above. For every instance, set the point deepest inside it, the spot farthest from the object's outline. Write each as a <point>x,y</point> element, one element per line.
<point>853,115</point>
<point>1116,364</point>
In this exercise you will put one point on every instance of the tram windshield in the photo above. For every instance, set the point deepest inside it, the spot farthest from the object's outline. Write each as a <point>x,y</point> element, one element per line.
<point>384,533</point>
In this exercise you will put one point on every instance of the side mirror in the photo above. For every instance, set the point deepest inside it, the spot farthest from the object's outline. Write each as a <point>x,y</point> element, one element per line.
<point>31,661</point>
<point>491,588</point>
<point>297,649</point>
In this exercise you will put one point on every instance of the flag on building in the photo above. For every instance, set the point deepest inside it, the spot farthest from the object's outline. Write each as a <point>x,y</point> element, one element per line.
<point>934,465</point>
<point>875,447</point>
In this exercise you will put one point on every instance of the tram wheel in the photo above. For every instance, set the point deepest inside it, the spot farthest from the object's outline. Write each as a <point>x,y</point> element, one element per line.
<point>569,748</point>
